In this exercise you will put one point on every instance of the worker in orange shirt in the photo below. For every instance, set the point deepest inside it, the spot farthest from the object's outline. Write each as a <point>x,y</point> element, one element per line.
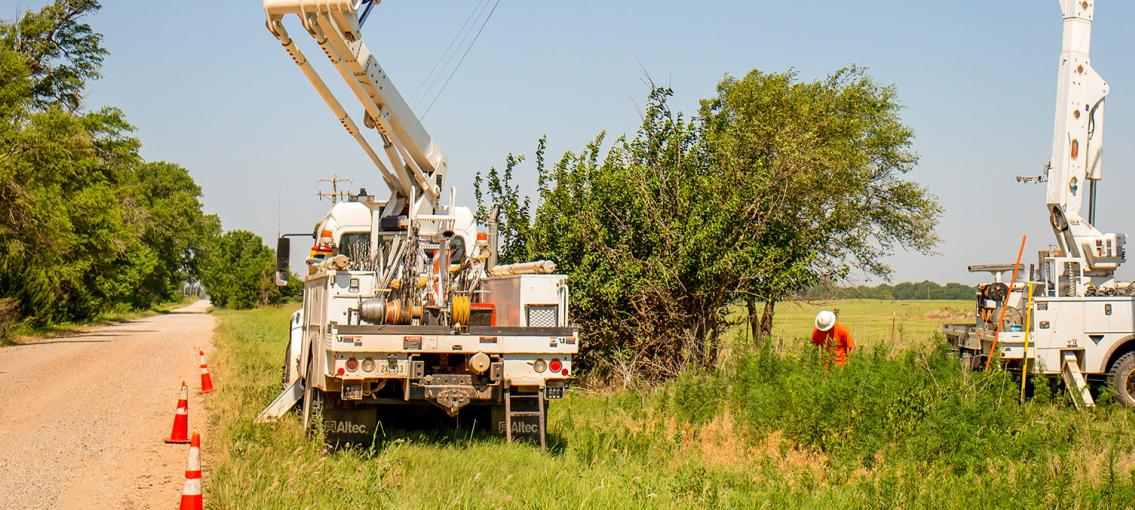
<point>833,337</point>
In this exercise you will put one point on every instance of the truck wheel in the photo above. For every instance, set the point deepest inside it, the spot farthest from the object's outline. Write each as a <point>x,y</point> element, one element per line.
<point>312,408</point>
<point>312,400</point>
<point>286,372</point>
<point>287,377</point>
<point>1122,379</point>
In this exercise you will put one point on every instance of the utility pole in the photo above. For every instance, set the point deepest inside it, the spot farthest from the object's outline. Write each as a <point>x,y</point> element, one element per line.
<point>334,194</point>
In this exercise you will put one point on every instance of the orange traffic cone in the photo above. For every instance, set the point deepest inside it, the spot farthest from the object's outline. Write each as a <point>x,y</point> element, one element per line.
<point>206,380</point>
<point>180,432</point>
<point>191,492</point>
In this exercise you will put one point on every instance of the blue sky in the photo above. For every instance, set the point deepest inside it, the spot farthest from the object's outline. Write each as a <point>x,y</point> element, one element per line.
<point>210,89</point>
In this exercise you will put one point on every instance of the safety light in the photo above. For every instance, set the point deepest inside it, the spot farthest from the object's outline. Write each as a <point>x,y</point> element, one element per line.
<point>352,364</point>
<point>555,365</point>
<point>368,365</point>
<point>539,366</point>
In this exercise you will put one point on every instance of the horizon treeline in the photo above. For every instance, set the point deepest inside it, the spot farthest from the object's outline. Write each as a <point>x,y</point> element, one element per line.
<point>904,291</point>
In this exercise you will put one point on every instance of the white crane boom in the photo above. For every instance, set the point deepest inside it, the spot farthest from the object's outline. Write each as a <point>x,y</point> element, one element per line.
<point>1077,145</point>
<point>417,164</point>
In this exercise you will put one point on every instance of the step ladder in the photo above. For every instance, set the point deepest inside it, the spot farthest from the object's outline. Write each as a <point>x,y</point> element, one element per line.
<point>283,403</point>
<point>1074,380</point>
<point>509,413</point>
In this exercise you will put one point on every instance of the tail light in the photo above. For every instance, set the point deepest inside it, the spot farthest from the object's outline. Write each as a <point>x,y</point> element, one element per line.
<point>368,365</point>
<point>539,366</point>
<point>555,365</point>
<point>352,364</point>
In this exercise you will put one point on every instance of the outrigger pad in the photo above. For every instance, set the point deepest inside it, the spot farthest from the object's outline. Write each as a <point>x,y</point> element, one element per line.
<point>283,403</point>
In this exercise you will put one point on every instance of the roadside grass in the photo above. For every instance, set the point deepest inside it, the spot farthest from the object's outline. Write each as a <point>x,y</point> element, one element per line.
<point>24,332</point>
<point>904,428</point>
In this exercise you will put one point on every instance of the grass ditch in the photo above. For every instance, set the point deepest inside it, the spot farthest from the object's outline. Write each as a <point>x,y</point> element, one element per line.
<point>892,429</point>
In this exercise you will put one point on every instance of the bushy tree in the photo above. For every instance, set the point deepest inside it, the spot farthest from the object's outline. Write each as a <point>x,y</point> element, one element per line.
<point>775,186</point>
<point>61,53</point>
<point>236,269</point>
<point>167,202</point>
<point>837,150</point>
<point>514,211</point>
<point>86,225</point>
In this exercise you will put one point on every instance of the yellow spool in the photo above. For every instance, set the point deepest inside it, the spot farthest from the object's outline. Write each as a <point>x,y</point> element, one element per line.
<point>459,310</point>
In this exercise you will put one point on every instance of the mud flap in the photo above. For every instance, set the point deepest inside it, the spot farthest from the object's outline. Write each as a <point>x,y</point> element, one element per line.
<point>349,426</point>
<point>524,428</point>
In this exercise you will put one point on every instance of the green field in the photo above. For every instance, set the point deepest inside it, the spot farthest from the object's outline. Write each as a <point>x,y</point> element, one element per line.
<point>875,322</point>
<point>769,430</point>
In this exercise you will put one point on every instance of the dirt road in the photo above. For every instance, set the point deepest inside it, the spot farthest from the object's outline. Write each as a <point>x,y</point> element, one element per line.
<point>82,418</point>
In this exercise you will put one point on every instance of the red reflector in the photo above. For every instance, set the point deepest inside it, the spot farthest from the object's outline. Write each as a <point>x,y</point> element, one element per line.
<point>565,372</point>
<point>555,365</point>
<point>340,372</point>
<point>352,364</point>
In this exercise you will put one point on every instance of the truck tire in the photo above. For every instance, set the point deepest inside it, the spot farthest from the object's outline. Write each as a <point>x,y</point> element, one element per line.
<point>1122,379</point>
<point>312,401</point>
<point>285,375</point>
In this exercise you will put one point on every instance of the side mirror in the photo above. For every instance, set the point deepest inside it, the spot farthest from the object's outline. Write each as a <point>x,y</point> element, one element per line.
<point>281,278</point>
<point>283,257</point>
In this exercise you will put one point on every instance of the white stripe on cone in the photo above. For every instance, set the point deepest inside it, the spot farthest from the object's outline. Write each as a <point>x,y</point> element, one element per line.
<point>192,487</point>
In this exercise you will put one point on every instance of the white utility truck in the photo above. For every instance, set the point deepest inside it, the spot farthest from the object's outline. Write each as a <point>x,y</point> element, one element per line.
<point>1079,321</point>
<point>404,306</point>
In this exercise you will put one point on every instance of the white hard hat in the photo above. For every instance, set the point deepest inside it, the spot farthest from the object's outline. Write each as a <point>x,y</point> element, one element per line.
<point>825,320</point>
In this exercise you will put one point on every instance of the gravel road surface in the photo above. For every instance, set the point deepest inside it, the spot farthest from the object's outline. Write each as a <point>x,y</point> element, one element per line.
<point>82,417</point>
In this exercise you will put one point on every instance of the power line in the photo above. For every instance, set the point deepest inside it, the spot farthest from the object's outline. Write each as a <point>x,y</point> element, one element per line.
<point>451,58</point>
<point>470,47</point>
<point>437,65</point>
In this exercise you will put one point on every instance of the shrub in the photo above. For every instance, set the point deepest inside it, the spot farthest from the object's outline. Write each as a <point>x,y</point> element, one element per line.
<point>918,406</point>
<point>695,396</point>
<point>9,314</point>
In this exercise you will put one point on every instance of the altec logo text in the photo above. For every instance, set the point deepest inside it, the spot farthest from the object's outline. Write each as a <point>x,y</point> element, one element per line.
<point>519,427</point>
<point>343,427</point>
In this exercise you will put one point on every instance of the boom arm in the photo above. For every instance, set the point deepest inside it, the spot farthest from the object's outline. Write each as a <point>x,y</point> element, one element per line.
<point>417,164</point>
<point>1077,144</point>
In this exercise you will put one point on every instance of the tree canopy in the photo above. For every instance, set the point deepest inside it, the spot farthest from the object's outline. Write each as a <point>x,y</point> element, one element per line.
<point>837,151</point>
<point>87,225</point>
<point>774,186</point>
<point>237,268</point>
